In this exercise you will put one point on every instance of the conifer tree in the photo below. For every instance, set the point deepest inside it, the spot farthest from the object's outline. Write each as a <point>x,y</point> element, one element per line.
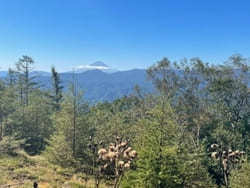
<point>24,67</point>
<point>57,89</point>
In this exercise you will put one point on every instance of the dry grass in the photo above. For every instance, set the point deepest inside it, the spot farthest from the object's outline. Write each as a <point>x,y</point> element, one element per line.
<point>23,170</point>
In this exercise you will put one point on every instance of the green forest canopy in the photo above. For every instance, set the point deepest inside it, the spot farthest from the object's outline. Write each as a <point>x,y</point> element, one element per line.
<point>194,133</point>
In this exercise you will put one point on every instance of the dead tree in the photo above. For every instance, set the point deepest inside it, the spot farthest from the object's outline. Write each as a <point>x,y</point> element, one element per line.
<point>117,158</point>
<point>228,160</point>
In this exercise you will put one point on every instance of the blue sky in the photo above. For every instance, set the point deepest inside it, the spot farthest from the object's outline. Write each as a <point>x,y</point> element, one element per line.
<point>124,34</point>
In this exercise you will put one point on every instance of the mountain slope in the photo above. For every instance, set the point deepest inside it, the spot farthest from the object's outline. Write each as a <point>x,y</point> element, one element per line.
<point>100,86</point>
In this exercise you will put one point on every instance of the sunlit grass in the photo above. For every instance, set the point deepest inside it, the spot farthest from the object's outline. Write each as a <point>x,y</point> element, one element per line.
<point>23,170</point>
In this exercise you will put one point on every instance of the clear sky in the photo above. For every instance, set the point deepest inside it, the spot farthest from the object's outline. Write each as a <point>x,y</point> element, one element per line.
<point>122,33</point>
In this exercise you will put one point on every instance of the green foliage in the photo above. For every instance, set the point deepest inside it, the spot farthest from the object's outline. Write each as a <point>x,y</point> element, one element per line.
<point>241,178</point>
<point>56,95</point>
<point>25,82</point>
<point>161,161</point>
<point>197,105</point>
<point>71,134</point>
<point>59,151</point>
<point>33,123</point>
<point>10,145</point>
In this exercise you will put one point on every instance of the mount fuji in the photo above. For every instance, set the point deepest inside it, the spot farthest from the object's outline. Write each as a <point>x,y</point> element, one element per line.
<point>98,65</point>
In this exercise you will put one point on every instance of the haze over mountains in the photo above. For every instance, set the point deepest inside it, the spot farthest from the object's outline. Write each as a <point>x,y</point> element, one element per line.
<point>98,81</point>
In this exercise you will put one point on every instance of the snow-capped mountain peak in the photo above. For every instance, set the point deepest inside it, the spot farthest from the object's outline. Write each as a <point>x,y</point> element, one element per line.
<point>98,65</point>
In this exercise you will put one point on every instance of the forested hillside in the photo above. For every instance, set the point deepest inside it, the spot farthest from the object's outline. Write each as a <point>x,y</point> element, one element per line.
<point>195,132</point>
<point>97,86</point>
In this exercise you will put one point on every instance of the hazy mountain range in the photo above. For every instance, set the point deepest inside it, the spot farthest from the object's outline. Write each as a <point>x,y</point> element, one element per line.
<point>98,81</point>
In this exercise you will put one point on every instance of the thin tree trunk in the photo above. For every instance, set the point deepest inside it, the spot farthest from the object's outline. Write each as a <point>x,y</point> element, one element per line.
<point>26,84</point>
<point>1,131</point>
<point>226,179</point>
<point>74,129</point>
<point>75,94</point>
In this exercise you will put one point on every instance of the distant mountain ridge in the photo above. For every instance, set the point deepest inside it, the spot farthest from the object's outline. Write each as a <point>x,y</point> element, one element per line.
<point>100,86</point>
<point>3,73</point>
<point>97,84</point>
